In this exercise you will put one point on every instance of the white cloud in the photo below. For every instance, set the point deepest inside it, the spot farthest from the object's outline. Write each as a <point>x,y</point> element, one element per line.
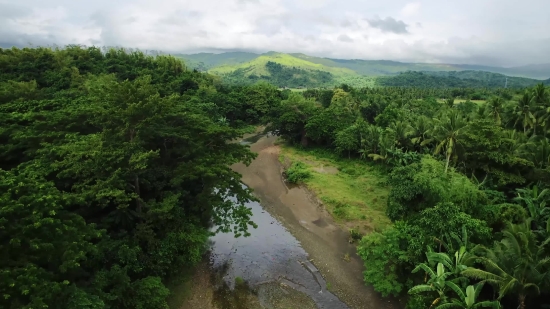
<point>495,32</point>
<point>410,9</point>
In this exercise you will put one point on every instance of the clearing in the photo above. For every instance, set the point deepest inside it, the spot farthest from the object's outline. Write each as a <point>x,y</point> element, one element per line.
<point>354,192</point>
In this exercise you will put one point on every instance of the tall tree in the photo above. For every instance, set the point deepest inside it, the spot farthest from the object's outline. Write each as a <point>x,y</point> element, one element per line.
<point>447,133</point>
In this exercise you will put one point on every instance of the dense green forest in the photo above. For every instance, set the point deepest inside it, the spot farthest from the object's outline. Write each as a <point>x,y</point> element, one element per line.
<point>470,185</point>
<point>455,79</point>
<point>113,166</point>
<point>282,76</point>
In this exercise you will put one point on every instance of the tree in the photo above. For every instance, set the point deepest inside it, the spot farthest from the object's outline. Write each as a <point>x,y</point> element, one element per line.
<point>447,133</point>
<point>347,140</point>
<point>515,265</point>
<point>495,106</point>
<point>523,112</point>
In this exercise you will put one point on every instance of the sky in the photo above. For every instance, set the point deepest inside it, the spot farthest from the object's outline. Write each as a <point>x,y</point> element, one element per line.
<point>484,32</point>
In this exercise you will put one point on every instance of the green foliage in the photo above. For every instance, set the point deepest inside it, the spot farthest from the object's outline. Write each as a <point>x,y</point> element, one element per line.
<point>113,164</point>
<point>282,76</point>
<point>386,256</point>
<point>460,79</point>
<point>298,172</point>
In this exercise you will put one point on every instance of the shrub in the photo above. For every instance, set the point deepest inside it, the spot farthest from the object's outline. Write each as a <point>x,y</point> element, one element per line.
<point>298,172</point>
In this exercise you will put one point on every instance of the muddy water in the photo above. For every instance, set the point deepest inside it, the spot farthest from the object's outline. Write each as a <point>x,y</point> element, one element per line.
<point>270,255</point>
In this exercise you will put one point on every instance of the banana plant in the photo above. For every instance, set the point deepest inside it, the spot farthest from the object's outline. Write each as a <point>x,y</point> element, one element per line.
<point>468,299</point>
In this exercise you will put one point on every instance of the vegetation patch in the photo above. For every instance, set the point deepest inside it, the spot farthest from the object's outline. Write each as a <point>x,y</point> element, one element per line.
<point>355,196</point>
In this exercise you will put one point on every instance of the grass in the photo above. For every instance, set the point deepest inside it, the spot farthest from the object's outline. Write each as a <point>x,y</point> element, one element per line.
<point>355,194</point>
<point>257,66</point>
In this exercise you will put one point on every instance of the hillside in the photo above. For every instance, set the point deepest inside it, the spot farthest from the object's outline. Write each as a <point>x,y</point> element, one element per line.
<point>455,79</point>
<point>254,64</point>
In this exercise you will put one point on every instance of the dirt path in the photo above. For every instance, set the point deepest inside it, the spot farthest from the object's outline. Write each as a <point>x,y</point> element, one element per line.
<point>326,243</point>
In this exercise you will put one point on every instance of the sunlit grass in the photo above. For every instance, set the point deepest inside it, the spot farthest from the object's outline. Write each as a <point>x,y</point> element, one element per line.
<point>356,194</point>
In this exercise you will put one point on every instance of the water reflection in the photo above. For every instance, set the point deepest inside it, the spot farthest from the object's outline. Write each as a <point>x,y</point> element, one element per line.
<point>270,254</point>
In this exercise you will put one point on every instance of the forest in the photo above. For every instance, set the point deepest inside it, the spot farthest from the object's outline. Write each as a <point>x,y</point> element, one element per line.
<point>114,165</point>
<point>456,79</point>
<point>469,188</point>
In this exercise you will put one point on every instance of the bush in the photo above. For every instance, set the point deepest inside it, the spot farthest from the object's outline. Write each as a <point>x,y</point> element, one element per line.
<point>298,172</point>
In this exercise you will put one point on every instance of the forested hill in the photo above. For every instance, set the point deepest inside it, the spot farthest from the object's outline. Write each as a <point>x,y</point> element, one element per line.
<point>299,70</point>
<point>282,76</point>
<point>112,167</point>
<point>453,79</point>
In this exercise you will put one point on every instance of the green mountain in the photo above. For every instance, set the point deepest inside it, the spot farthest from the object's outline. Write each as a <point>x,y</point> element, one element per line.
<point>455,79</point>
<point>299,70</point>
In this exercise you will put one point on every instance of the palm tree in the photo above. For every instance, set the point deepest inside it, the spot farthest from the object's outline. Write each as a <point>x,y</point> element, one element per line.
<point>468,300</point>
<point>450,102</point>
<point>369,140</point>
<point>515,265</point>
<point>540,95</point>
<point>447,134</point>
<point>517,140</point>
<point>495,109</point>
<point>537,150</point>
<point>401,131</point>
<point>420,130</point>
<point>535,202</point>
<point>524,112</point>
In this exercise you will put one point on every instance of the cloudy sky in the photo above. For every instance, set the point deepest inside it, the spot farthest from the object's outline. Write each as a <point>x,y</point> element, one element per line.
<point>490,32</point>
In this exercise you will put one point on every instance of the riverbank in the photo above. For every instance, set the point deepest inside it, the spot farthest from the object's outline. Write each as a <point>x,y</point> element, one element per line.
<point>321,261</point>
<point>321,237</point>
<point>354,192</point>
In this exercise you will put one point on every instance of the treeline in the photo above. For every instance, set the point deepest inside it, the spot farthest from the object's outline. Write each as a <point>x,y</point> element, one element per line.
<point>452,79</point>
<point>469,188</point>
<point>281,76</point>
<point>113,165</point>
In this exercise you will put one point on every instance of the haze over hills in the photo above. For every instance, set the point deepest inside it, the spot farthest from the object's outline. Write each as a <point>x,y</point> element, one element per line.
<point>231,61</point>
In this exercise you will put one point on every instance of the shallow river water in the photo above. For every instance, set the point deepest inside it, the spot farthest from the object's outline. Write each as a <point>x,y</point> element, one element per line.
<point>270,255</point>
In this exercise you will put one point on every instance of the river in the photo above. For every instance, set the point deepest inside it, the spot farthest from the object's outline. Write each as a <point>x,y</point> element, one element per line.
<point>294,259</point>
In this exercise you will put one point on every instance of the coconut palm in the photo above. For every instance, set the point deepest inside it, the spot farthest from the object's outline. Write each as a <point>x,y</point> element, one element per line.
<point>535,202</point>
<point>450,102</point>
<point>369,140</point>
<point>537,150</point>
<point>516,265</point>
<point>524,112</point>
<point>495,107</point>
<point>401,131</point>
<point>447,133</point>
<point>540,95</point>
<point>420,130</point>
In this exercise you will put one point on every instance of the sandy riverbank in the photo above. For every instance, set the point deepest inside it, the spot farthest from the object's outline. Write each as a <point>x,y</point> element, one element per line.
<point>299,211</point>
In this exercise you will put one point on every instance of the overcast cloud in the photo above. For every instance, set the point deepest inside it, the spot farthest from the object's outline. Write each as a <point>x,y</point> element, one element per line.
<point>489,32</point>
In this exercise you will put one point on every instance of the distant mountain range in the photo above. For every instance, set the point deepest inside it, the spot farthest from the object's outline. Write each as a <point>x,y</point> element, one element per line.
<point>231,61</point>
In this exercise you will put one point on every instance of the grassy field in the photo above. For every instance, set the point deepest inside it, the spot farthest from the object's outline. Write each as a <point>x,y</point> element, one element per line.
<point>351,190</point>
